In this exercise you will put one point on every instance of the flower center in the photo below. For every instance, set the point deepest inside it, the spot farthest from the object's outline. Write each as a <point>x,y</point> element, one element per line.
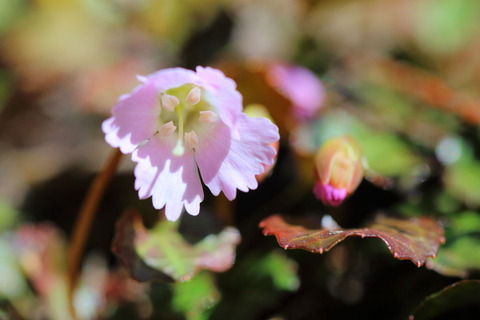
<point>185,108</point>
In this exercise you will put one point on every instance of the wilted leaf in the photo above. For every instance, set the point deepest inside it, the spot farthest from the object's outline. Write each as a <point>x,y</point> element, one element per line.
<point>162,254</point>
<point>457,295</point>
<point>414,239</point>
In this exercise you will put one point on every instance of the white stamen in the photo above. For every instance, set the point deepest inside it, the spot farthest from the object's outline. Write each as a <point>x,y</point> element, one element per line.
<point>194,96</point>
<point>169,102</point>
<point>208,116</point>
<point>167,129</point>
<point>191,140</point>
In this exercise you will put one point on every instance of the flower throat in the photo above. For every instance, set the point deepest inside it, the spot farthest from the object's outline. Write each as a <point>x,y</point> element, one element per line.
<point>184,108</point>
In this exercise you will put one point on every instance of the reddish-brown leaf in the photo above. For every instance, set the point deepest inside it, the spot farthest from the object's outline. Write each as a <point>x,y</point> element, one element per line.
<point>415,239</point>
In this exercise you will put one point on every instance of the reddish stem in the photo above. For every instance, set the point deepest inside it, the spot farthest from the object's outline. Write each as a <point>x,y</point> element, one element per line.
<point>84,222</point>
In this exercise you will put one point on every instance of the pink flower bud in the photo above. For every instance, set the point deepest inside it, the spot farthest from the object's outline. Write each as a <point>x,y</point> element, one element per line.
<point>339,170</point>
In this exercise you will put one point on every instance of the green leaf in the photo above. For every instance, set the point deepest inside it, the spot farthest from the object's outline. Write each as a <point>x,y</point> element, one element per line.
<point>282,270</point>
<point>455,20</point>
<point>458,257</point>
<point>161,253</point>
<point>457,295</point>
<point>465,222</point>
<point>256,283</point>
<point>386,154</point>
<point>8,215</point>
<point>9,13</point>
<point>195,298</point>
<point>460,254</point>
<point>462,180</point>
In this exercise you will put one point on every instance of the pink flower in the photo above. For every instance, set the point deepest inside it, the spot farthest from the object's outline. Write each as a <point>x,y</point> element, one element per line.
<point>300,86</point>
<point>178,124</point>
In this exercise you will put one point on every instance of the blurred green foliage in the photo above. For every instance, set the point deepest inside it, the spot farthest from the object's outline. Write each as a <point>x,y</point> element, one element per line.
<point>8,215</point>
<point>385,153</point>
<point>195,298</point>
<point>446,26</point>
<point>460,254</point>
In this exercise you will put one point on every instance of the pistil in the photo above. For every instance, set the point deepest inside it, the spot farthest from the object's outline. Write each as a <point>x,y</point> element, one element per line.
<point>179,149</point>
